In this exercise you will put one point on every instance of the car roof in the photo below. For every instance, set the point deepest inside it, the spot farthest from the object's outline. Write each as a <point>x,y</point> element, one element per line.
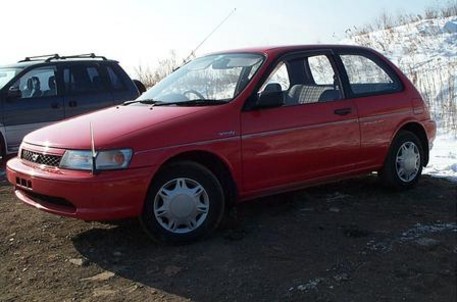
<point>292,48</point>
<point>56,59</point>
<point>43,63</point>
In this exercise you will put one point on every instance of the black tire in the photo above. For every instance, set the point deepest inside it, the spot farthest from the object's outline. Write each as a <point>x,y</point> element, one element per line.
<point>403,165</point>
<point>190,206</point>
<point>2,151</point>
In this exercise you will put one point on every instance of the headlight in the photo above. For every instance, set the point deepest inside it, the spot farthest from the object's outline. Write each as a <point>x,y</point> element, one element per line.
<point>104,160</point>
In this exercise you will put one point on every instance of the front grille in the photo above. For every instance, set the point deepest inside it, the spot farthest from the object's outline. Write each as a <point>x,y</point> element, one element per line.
<point>40,158</point>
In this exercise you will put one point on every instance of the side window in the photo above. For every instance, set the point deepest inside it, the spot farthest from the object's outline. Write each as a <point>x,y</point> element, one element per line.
<point>368,77</point>
<point>278,79</point>
<point>80,79</point>
<point>321,70</point>
<point>316,81</point>
<point>38,82</point>
<point>115,79</point>
<point>305,80</point>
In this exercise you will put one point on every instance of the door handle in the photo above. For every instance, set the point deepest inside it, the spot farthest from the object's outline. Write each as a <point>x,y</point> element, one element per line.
<point>72,104</point>
<point>342,111</point>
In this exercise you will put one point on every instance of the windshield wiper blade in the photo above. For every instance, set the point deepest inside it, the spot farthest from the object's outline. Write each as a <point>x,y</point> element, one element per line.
<point>198,102</point>
<point>145,101</point>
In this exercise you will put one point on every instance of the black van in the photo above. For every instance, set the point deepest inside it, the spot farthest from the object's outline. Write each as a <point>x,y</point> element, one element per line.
<point>40,90</point>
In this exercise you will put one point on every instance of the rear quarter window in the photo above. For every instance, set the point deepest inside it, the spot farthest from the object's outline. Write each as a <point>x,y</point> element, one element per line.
<point>369,76</point>
<point>83,79</point>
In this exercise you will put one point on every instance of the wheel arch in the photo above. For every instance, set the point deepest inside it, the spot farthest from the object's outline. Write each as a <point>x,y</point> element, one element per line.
<point>216,165</point>
<point>417,129</point>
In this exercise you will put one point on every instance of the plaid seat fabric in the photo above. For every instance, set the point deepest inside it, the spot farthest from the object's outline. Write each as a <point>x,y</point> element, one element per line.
<point>302,94</point>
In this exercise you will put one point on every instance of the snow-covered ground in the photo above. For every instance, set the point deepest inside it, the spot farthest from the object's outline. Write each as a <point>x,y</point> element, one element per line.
<point>443,158</point>
<point>426,51</point>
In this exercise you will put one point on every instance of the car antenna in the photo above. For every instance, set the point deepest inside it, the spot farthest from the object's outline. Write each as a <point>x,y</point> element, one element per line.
<point>94,153</point>
<point>192,53</point>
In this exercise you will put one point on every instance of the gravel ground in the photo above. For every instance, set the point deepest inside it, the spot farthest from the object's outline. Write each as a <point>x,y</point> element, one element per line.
<point>347,241</point>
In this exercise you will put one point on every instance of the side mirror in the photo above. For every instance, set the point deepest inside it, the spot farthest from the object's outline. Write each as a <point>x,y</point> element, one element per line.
<point>14,93</point>
<point>270,99</point>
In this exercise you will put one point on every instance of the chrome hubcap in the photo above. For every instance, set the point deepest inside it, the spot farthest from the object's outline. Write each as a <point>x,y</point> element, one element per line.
<point>408,162</point>
<point>181,205</point>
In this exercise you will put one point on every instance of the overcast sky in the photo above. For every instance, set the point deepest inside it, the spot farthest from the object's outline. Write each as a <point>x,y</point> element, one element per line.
<point>138,32</point>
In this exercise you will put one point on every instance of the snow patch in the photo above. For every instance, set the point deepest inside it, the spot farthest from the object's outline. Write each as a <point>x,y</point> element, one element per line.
<point>418,230</point>
<point>311,285</point>
<point>454,168</point>
<point>450,26</point>
<point>410,235</point>
<point>443,158</point>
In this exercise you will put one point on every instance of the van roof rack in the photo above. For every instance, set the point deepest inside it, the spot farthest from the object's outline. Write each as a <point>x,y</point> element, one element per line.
<point>49,58</point>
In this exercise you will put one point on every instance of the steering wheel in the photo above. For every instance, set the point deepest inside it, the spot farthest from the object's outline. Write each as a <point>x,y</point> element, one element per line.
<point>194,92</point>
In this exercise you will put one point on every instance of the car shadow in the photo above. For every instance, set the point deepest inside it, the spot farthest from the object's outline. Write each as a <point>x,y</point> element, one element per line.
<point>270,244</point>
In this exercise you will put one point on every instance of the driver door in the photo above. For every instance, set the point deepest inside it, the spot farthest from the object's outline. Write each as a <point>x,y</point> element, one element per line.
<point>313,135</point>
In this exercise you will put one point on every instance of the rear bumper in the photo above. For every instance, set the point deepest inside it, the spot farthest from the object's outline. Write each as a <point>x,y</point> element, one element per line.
<point>108,195</point>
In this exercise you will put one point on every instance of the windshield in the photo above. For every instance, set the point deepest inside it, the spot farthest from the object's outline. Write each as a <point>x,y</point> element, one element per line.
<point>6,74</point>
<point>214,78</point>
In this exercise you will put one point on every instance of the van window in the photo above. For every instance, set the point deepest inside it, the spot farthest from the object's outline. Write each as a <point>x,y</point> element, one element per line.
<point>38,82</point>
<point>83,79</point>
<point>115,79</point>
<point>7,74</point>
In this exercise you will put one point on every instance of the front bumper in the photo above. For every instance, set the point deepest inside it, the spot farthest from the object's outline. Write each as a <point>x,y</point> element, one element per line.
<point>107,195</point>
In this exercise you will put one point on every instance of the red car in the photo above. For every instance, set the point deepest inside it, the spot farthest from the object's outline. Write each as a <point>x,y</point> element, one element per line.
<point>226,128</point>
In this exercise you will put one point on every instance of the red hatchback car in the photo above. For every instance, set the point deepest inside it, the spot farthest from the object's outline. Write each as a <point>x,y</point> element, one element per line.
<point>225,128</point>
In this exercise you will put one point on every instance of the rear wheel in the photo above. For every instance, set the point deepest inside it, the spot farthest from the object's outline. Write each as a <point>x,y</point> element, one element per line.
<point>185,202</point>
<point>403,166</point>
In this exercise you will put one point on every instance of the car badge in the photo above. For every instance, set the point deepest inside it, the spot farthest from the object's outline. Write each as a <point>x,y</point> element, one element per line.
<point>35,157</point>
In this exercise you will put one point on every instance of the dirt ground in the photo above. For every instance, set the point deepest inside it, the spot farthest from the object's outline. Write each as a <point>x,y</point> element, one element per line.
<point>348,241</point>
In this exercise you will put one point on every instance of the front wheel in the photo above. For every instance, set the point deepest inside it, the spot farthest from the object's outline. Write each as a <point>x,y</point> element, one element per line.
<point>403,165</point>
<point>185,202</point>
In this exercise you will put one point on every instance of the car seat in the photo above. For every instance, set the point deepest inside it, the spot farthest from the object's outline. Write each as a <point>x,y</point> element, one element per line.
<point>52,86</point>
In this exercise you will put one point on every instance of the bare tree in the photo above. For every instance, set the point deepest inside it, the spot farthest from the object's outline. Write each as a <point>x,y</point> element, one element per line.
<point>149,77</point>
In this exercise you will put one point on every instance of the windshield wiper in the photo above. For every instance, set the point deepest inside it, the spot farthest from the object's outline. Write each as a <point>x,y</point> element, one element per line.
<point>145,101</point>
<point>198,102</point>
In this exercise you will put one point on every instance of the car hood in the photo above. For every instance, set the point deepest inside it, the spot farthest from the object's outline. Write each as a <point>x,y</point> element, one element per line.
<point>136,126</point>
